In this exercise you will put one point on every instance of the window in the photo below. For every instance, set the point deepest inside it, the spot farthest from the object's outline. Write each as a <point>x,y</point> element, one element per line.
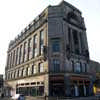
<point>29,71</point>
<point>18,73</point>
<point>20,55</point>
<point>32,69</point>
<point>35,70</point>
<point>84,67</point>
<point>41,67</point>
<point>40,90</point>
<point>56,65</point>
<point>41,41</point>
<point>17,55</point>
<point>72,63</point>
<point>30,48</point>
<point>22,72</point>
<point>15,74</point>
<point>35,45</point>
<point>12,75</point>
<point>8,76</point>
<point>77,67</point>
<point>55,45</point>
<point>25,51</point>
<point>8,59</point>
<point>76,41</point>
<point>11,60</point>
<point>82,42</point>
<point>13,57</point>
<point>69,35</point>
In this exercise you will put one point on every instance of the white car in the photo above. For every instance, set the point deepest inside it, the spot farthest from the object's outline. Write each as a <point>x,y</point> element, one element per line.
<point>18,97</point>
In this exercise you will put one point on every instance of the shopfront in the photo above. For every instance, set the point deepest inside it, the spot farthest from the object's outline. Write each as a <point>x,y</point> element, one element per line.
<point>30,89</point>
<point>57,85</point>
<point>80,86</point>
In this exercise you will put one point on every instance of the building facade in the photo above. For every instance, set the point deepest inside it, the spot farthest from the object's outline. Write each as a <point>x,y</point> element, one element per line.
<point>1,84</point>
<point>95,68</point>
<point>50,57</point>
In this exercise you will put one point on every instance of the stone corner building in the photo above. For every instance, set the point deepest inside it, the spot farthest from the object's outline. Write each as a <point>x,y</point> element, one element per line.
<point>1,83</point>
<point>50,56</point>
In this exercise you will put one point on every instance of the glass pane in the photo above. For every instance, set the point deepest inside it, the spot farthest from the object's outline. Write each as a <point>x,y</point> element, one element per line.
<point>77,67</point>
<point>55,45</point>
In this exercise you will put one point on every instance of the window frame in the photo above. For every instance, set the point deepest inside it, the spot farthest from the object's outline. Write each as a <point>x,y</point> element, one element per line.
<point>55,45</point>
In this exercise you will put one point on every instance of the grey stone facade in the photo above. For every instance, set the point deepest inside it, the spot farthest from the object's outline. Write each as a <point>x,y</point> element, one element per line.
<point>63,52</point>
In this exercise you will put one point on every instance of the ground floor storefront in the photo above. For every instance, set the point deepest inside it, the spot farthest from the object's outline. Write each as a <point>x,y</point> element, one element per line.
<point>55,85</point>
<point>31,89</point>
<point>30,86</point>
<point>70,86</point>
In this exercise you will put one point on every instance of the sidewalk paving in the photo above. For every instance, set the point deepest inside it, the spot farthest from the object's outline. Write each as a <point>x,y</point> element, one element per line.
<point>5,98</point>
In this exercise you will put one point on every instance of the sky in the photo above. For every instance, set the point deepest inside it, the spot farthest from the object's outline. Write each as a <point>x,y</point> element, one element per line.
<point>15,15</point>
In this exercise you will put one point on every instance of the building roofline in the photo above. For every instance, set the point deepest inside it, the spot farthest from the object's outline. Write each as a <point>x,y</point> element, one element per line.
<point>37,17</point>
<point>70,5</point>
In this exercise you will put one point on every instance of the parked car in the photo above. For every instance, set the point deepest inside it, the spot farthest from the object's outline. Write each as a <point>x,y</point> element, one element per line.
<point>18,97</point>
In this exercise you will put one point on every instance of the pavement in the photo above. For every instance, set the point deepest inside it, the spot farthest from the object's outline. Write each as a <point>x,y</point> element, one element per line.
<point>5,98</point>
<point>29,98</point>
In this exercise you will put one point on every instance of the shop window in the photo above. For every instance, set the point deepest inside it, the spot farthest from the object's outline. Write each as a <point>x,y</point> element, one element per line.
<point>40,90</point>
<point>57,88</point>
<point>33,91</point>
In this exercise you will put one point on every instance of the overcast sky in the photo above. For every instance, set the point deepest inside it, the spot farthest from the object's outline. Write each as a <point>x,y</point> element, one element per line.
<point>15,15</point>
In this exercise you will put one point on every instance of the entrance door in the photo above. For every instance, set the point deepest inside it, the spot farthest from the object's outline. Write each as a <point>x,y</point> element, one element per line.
<point>76,90</point>
<point>57,86</point>
<point>84,90</point>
